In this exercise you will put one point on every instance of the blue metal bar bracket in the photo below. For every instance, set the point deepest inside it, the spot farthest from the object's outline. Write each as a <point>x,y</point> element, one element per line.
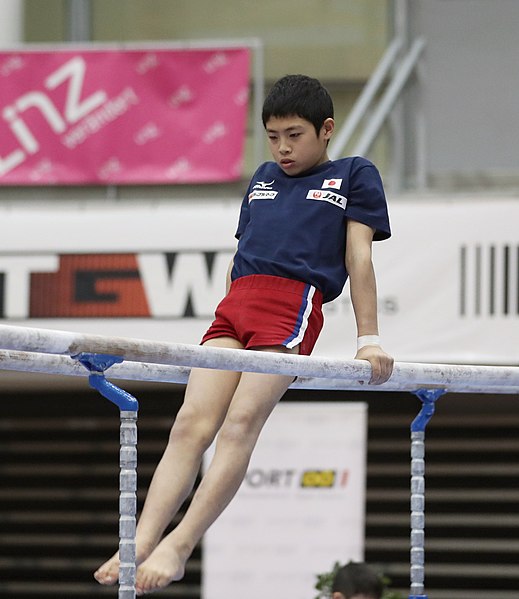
<point>96,364</point>
<point>428,398</point>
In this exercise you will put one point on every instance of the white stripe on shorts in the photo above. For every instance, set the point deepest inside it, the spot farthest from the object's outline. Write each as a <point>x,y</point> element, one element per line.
<point>304,323</point>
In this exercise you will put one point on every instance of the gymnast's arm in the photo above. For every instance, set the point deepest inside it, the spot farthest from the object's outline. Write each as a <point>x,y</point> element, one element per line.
<point>363,291</point>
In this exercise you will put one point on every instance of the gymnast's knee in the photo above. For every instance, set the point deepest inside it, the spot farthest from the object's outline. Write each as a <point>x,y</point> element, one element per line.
<point>241,426</point>
<point>191,427</point>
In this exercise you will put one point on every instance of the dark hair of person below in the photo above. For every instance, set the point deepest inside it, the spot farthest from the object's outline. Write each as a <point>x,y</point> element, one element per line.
<point>357,578</point>
<point>301,96</point>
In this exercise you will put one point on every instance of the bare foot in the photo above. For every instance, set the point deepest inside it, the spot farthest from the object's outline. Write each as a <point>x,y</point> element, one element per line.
<point>108,573</point>
<point>166,564</point>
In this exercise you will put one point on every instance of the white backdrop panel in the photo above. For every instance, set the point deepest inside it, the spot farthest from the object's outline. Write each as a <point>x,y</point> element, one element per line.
<point>299,510</point>
<point>447,279</point>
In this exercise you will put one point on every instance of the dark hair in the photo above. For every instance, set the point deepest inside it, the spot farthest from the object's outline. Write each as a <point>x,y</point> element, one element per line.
<point>356,579</point>
<point>298,95</point>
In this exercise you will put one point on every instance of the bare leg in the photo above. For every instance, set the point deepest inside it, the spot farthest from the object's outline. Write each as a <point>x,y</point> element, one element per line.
<point>207,398</point>
<point>253,401</point>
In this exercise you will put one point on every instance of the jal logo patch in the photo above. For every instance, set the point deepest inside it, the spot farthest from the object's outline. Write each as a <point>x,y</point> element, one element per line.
<point>331,197</point>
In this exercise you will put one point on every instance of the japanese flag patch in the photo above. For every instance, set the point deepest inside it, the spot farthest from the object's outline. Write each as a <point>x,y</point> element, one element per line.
<point>331,184</point>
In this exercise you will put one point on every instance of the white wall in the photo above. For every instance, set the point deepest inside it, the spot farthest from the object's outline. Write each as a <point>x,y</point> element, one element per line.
<point>470,86</point>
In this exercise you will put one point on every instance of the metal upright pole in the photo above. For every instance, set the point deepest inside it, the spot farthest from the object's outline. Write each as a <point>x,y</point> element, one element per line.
<point>390,96</point>
<point>427,397</point>
<point>79,20</point>
<point>258,95</point>
<point>128,405</point>
<point>127,503</point>
<point>362,104</point>
<point>11,23</point>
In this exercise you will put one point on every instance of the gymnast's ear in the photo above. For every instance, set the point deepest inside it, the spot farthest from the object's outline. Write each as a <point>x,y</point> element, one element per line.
<point>327,129</point>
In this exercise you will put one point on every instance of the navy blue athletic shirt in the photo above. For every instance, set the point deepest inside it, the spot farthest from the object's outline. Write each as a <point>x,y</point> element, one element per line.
<point>295,227</point>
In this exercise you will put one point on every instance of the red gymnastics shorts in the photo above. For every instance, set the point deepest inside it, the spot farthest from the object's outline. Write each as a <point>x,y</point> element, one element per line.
<point>264,311</point>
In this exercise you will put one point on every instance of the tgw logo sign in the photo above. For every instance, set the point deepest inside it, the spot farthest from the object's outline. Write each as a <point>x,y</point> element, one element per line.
<point>165,285</point>
<point>71,75</point>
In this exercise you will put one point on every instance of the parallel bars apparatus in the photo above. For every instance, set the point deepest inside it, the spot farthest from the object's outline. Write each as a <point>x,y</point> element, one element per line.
<point>49,351</point>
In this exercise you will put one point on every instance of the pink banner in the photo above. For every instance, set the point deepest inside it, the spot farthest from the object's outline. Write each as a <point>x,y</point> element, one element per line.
<point>122,117</point>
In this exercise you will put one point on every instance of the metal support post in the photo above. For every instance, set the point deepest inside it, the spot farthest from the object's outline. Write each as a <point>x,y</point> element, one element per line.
<point>128,406</point>
<point>428,398</point>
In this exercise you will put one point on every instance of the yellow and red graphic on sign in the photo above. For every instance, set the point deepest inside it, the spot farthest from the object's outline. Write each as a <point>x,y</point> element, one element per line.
<point>90,285</point>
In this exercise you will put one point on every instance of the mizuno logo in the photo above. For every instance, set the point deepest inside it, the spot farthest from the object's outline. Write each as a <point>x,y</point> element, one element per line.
<point>263,191</point>
<point>263,185</point>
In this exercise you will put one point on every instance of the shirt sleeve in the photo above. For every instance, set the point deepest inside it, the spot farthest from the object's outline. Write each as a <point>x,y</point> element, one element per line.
<point>244,216</point>
<point>245,209</point>
<point>366,199</point>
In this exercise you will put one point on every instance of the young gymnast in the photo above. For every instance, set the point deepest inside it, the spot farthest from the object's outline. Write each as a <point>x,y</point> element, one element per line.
<point>306,224</point>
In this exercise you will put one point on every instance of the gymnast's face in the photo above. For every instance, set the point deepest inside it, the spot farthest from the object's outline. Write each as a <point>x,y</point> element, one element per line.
<point>294,144</point>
